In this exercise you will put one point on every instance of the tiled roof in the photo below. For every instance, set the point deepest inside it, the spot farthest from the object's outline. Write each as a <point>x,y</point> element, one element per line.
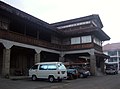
<point>111,47</point>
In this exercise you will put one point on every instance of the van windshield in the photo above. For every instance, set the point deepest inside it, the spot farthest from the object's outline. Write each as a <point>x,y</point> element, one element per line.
<point>61,66</point>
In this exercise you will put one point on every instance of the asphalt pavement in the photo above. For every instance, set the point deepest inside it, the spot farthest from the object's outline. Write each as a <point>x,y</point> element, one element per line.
<point>92,82</point>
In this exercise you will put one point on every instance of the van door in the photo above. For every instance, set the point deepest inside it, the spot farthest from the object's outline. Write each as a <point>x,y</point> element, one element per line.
<point>43,71</point>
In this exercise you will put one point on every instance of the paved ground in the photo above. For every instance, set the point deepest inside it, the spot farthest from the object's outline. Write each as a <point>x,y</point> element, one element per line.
<point>103,82</point>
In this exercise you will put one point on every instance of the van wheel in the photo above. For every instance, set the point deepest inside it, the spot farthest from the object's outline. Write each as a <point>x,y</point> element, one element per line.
<point>34,78</point>
<point>51,79</point>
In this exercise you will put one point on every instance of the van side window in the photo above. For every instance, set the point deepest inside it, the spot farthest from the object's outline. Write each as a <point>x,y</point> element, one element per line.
<point>43,67</point>
<point>52,67</point>
<point>34,67</point>
<point>61,66</point>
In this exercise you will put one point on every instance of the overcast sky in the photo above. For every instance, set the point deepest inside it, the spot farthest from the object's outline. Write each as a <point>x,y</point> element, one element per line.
<point>59,10</point>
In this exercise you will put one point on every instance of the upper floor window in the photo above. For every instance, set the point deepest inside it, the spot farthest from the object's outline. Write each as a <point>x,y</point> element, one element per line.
<point>118,53</point>
<point>75,40</point>
<point>112,53</point>
<point>4,23</point>
<point>97,41</point>
<point>113,59</point>
<point>86,39</point>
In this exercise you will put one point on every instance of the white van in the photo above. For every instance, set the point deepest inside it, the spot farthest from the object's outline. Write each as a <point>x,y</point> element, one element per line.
<point>48,70</point>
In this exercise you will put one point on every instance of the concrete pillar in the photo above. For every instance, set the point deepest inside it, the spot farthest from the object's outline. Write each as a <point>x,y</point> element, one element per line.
<point>102,66</point>
<point>6,62</point>
<point>61,58</point>
<point>6,58</point>
<point>118,60</point>
<point>92,62</point>
<point>37,55</point>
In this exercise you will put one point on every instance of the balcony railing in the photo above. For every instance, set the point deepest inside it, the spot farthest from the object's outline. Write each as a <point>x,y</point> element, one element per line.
<point>78,46</point>
<point>13,36</point>
<point>98,48</point>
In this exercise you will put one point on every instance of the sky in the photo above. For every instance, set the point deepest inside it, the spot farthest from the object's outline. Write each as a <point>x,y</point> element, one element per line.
<point>52,11</point>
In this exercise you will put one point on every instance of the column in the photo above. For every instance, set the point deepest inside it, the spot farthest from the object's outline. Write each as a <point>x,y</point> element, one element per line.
<point>118,60</point>
<point>102,65</point>
<point>6,59</point>
<point>37,55</point>
<point>6,63</point>
<point>61,58</point>
<point>92,62</point>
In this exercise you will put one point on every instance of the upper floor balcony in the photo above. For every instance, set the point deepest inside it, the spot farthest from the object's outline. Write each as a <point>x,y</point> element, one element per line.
<point>17,37</point>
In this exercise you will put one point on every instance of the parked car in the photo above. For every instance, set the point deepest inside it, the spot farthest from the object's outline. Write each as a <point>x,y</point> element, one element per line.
<point>48,70</point>
<point>83,72</point>
<point>111,68</point>
<point>72,73</point>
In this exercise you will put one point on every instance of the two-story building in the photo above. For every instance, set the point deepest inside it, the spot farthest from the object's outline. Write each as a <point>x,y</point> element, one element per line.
<point>25,40</point>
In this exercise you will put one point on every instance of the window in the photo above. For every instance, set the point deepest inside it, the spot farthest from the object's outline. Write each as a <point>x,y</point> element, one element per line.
<point>75,40</point>
<point>4,23</point>
<point>86,39</point>
<point>52,67</point>
<point>34,67</point>
<point>112,53</point>
<point>43,67</point>
<point>113,59</point>
<point>119,53</point>
<point>97,41</point>
<point>61,66</point>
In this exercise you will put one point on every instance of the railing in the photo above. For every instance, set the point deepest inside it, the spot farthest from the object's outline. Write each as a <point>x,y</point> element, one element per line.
<point>78,46</point>
<point>13,36</point>
<point>98,48</point>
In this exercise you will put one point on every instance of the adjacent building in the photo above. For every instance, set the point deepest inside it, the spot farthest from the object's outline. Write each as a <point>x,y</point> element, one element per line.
<point>25,40</point>
<point>113,50</point>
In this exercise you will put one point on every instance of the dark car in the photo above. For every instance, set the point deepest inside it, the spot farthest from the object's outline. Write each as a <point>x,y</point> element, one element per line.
<point>82,72</point>
<point>111,68</point>
<point>72,73</point>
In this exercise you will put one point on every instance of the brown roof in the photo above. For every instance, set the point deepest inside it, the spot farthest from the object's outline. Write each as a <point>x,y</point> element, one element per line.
<point>111,47</point>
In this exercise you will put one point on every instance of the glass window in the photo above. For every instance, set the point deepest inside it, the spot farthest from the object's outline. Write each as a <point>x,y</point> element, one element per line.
<point>86,39</point>
<point>61,66</point>
<point>43,67</point>
<point>113,59</point>
<point>119,53</point>
<point>97,41</point>
<point>4,23</point>
<point>52,67</point>
<point>112,53</point>
<point>75,40</point>
<point>34,67</point>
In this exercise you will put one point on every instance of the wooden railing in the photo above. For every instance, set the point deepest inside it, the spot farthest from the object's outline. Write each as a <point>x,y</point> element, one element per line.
<point>78,46</point>
<point>13,36</point>
<point>98,48</point>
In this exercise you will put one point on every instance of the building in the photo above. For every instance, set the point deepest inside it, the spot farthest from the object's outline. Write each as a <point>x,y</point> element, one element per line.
<point>25,40</point>
<point>113,50</point>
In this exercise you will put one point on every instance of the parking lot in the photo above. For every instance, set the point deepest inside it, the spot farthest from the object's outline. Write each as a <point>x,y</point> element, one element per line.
<point>102,82</point>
